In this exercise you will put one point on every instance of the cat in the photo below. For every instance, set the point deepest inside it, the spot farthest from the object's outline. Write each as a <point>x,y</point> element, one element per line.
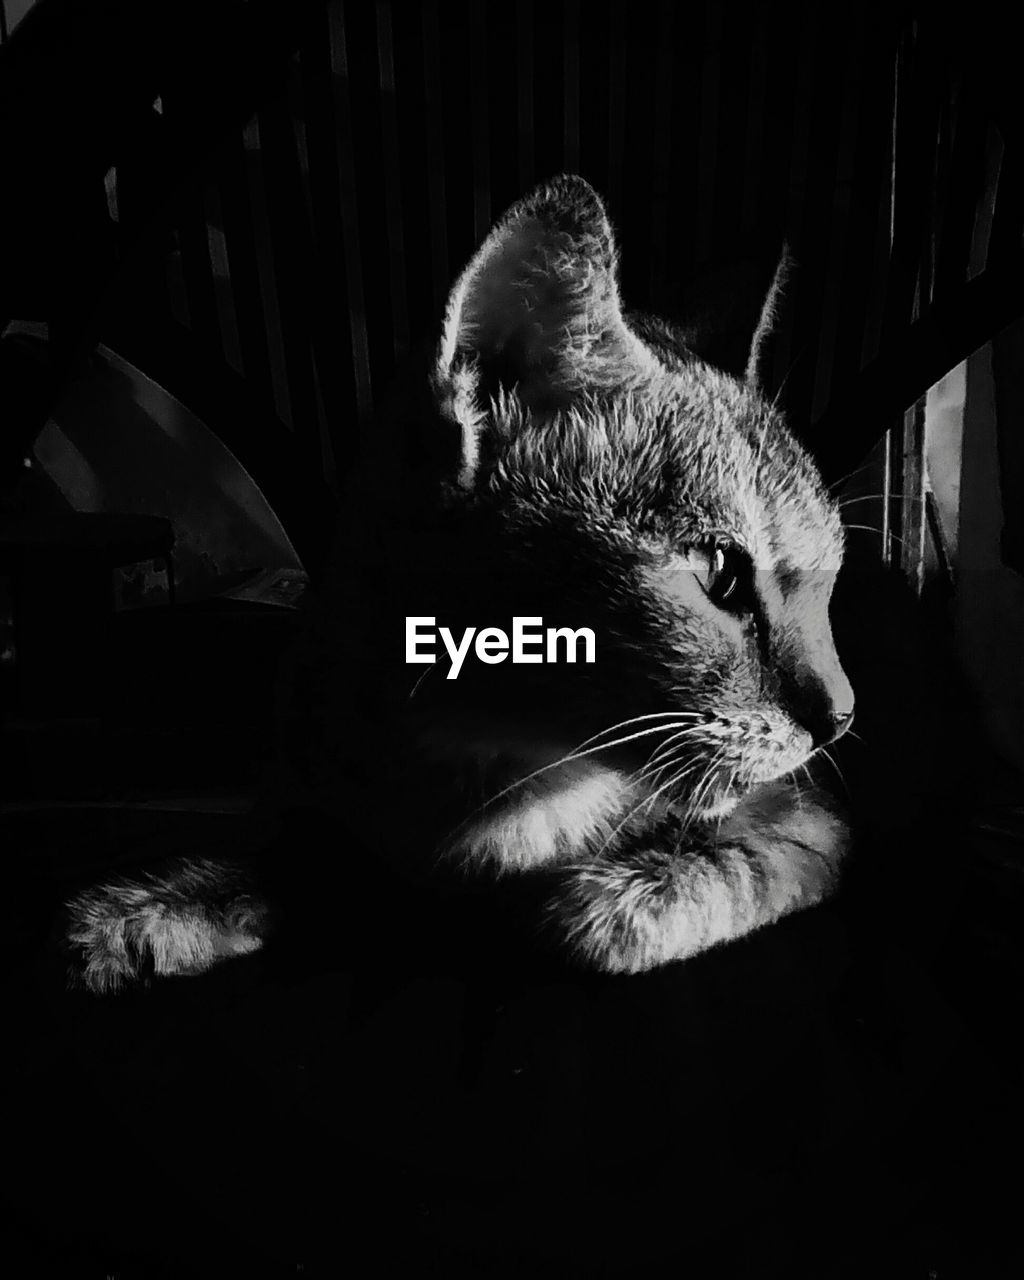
<point>560,459</point>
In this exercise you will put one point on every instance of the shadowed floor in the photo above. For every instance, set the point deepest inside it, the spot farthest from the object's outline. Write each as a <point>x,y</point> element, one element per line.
<point>813,1102</point>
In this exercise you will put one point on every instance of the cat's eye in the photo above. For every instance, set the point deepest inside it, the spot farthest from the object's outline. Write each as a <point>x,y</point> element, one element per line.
<point>721,571</point>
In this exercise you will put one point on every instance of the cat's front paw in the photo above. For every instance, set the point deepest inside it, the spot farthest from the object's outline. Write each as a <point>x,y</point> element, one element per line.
<point>130,930</point>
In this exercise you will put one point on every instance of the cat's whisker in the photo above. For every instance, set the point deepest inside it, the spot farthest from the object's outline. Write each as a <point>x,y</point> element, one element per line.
<point>678,777</point>
<point>725,791</point>
<point>647,801</point>
<point>648,777</point>
<point>577,754</point>
<point>868,497</point>
<point>849,476</point>
<point>654,778</point>
<point>659,788</point>
<point>668,755</point>
<point>415,689</point>
<point>870,528</point>
<point>666,748</point>
<point>653,715</point>
<point>699,793</point>
<point>703,789</point>
<point>827,755</point>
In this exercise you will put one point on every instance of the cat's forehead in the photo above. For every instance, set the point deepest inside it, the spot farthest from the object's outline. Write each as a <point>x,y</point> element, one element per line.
<point>695,457</point>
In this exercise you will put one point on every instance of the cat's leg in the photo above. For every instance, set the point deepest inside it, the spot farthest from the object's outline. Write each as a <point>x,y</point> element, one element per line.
<point>179,920</point>
<point>673,894</point>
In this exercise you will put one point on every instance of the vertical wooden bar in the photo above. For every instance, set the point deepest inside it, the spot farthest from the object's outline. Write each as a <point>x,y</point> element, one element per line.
<point>524,58</point>
<point>1007,210</point>
<point>480,123</point>
<point>787,343</point>
<point>349,211</point>
<point>437,212</point>
<point>912,506</point>
<point>392,180</point>
<point>891,484</point>
<point>571,85</point>
<point>616,106</point>
<point>268,283</point>
<point>661,168</point>
<point>984,209</point>
<point>222,285</point>
<point>884,231</point>
<point>965,186</point>
<point>291,258</point>
<point>707,155</point>
<point>753,151</point>
<point>839,230</point>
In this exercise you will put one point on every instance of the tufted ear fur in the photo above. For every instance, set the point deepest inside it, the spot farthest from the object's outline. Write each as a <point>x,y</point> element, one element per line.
<point>538,310</point>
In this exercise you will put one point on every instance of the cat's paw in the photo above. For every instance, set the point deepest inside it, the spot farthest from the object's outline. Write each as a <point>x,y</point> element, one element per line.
<point>128,931</point>
<point>783,815</point>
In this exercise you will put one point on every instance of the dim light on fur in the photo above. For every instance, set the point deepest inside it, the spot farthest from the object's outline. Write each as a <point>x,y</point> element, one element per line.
<point>602,476</point>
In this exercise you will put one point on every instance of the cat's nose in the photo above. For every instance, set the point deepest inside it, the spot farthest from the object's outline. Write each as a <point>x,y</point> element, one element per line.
<point>831,726</point>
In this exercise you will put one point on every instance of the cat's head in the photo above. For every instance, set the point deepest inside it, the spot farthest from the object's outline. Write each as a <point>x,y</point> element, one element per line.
<point>610,478</point>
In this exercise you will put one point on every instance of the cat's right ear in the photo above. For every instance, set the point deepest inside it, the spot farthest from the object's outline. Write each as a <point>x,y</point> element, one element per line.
<point>537,313</point>
<point>727,317</point>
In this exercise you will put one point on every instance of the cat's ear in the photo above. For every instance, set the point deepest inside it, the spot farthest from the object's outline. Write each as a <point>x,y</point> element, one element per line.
<point>727,317</point>
<point>767,319</point>
<point>538,311</point>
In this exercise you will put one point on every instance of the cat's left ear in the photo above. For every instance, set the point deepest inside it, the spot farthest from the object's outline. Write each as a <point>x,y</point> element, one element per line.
<point>537,311</point>
<point>727,317</point>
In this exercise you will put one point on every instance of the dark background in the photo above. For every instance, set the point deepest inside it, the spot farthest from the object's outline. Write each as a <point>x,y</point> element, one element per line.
<point>835,1097</point>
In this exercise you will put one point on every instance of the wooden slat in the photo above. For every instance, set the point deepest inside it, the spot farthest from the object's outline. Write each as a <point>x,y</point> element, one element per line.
<point>268,282</point>
<point>866,242</point>
<point>479,125</point>
<point>707,154</point>
<point>200,301</point>
<point>917,132</point>
<point>918,357</point>
<point>984,208</point>
<point>663,158</point>
<point>753,155</point>
<point>349,211</point>
<point>1008,211</point>
<point>292,263</point>
<point>964,188</point>
<point>391,177</point>
<point>878,263</point>
<point>843,192</point>
<point>791,341</point>
<point>335,393</point>
<point>912,495</point>
<point>308,264</point>
<point>524,104</point>
<point>436,189</point>
<point>616,106</point>
<point>220,263</point>
<point>571,86</point>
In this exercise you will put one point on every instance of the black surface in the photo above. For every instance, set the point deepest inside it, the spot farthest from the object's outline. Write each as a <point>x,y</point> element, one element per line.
<point>394,1088</point>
